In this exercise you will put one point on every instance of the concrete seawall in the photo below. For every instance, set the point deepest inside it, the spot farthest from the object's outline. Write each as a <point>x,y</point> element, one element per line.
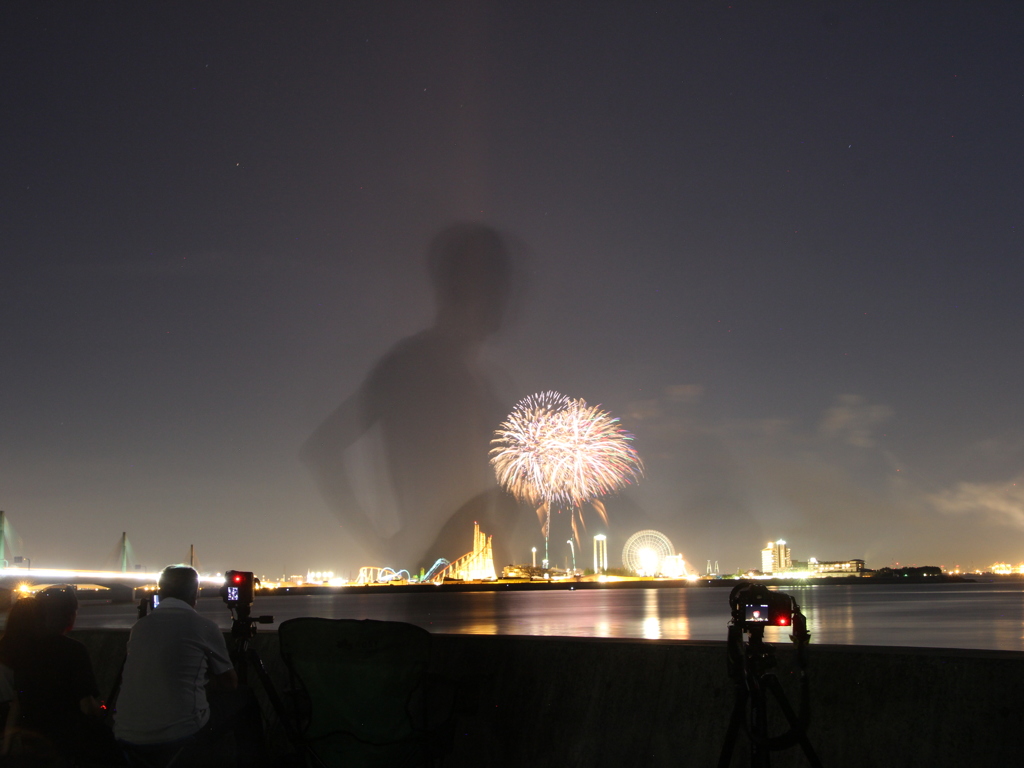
<point>593,702</point>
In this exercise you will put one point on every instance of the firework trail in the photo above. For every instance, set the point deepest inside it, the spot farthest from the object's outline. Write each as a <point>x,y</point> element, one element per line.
<point>558,452</point>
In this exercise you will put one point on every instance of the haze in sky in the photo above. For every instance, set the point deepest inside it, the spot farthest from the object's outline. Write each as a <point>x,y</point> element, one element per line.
<point>783,245</point>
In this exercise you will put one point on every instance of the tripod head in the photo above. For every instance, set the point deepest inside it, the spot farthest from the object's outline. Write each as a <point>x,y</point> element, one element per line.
<point>243,624</point>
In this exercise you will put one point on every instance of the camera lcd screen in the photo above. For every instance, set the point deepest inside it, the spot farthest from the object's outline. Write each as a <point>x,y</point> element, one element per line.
<point>232,594</point>
<point>156,600</point>
<point>756,614</point>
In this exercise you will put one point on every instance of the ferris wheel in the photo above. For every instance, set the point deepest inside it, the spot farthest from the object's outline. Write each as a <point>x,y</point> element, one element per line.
<point>645,552</point>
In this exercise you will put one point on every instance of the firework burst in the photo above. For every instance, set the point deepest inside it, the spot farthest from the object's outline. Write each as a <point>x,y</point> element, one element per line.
<point>559,453</point>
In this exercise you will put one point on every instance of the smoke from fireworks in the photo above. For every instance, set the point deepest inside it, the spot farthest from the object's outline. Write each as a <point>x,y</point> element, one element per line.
<point>557,452</point>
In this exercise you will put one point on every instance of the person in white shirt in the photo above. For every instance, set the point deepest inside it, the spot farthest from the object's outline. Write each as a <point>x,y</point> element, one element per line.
<point>175,657</point>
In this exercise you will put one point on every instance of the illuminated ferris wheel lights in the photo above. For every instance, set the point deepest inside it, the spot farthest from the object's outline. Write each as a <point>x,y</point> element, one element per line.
<point>650,553</point>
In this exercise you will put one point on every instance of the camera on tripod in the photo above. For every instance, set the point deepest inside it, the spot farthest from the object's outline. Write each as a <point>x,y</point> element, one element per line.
<point>239,593</point>
<point>756,605</point>
<point>751,664</point>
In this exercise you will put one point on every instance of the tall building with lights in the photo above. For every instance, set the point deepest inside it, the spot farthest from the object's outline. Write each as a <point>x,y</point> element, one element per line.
<point>478,564</point>
<point>775,558</point>
<point>600,553</point>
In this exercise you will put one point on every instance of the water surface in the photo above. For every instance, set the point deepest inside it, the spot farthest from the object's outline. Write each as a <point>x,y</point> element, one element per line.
<point>989,616</point>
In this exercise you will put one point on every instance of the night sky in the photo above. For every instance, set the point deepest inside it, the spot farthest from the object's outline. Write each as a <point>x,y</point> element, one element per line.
<point>783,243</point>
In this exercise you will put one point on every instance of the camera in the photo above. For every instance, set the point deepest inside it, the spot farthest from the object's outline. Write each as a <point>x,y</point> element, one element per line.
<point>238,593</point>
<point>239,589</point>
<point>756,605</point>
<point>148,604</point>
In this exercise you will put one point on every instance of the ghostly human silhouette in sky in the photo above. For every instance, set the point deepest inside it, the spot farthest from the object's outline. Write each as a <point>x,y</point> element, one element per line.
<point>403,462</point>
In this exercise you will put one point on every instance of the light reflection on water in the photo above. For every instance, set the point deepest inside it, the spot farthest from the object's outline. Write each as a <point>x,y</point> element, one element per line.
<point>926,615</point>
<point>652,620</point>
<point>939,615</point>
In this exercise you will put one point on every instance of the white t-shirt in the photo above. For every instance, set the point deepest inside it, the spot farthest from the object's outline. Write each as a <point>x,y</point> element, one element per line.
<point>171,655</point>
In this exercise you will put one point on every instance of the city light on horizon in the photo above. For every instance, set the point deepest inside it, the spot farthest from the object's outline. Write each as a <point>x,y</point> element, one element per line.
<point>81,573</point>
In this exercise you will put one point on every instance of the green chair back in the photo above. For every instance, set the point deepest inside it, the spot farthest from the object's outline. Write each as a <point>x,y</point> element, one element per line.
<point>363,678</point>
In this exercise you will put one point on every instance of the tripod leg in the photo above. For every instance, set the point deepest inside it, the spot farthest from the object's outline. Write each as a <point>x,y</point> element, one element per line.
<point>794,722</point>
<point>735,721</point>
<point>253,657</point>
<point>760,751</point>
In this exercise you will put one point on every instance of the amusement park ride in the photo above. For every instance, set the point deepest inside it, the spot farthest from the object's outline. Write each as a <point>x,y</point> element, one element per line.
<point>475,565</point>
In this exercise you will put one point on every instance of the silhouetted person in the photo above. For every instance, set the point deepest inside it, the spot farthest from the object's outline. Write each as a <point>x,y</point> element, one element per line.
<point>430,408</point>
<point>178,682</point>
<point>56,710</point>
<point>20,633</point>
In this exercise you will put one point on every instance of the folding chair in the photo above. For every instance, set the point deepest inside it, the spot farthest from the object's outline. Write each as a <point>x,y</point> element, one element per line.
<point>367,692</point>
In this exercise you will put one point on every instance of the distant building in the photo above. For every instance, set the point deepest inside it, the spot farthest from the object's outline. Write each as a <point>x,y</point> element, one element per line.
<point>674,567</point>
<point>522,572</point>
<point>836,567</point>
<point>600,553</point>
<point>531,572</point>
<point>1005,569</point>
<point>776,558</point>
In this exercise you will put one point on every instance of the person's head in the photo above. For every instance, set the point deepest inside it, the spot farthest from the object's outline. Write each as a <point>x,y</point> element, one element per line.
<point>23,618</point>
<point>471,270</point>
<point>58,607</point>
<point>180,581</point>
<point>21,629</point>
